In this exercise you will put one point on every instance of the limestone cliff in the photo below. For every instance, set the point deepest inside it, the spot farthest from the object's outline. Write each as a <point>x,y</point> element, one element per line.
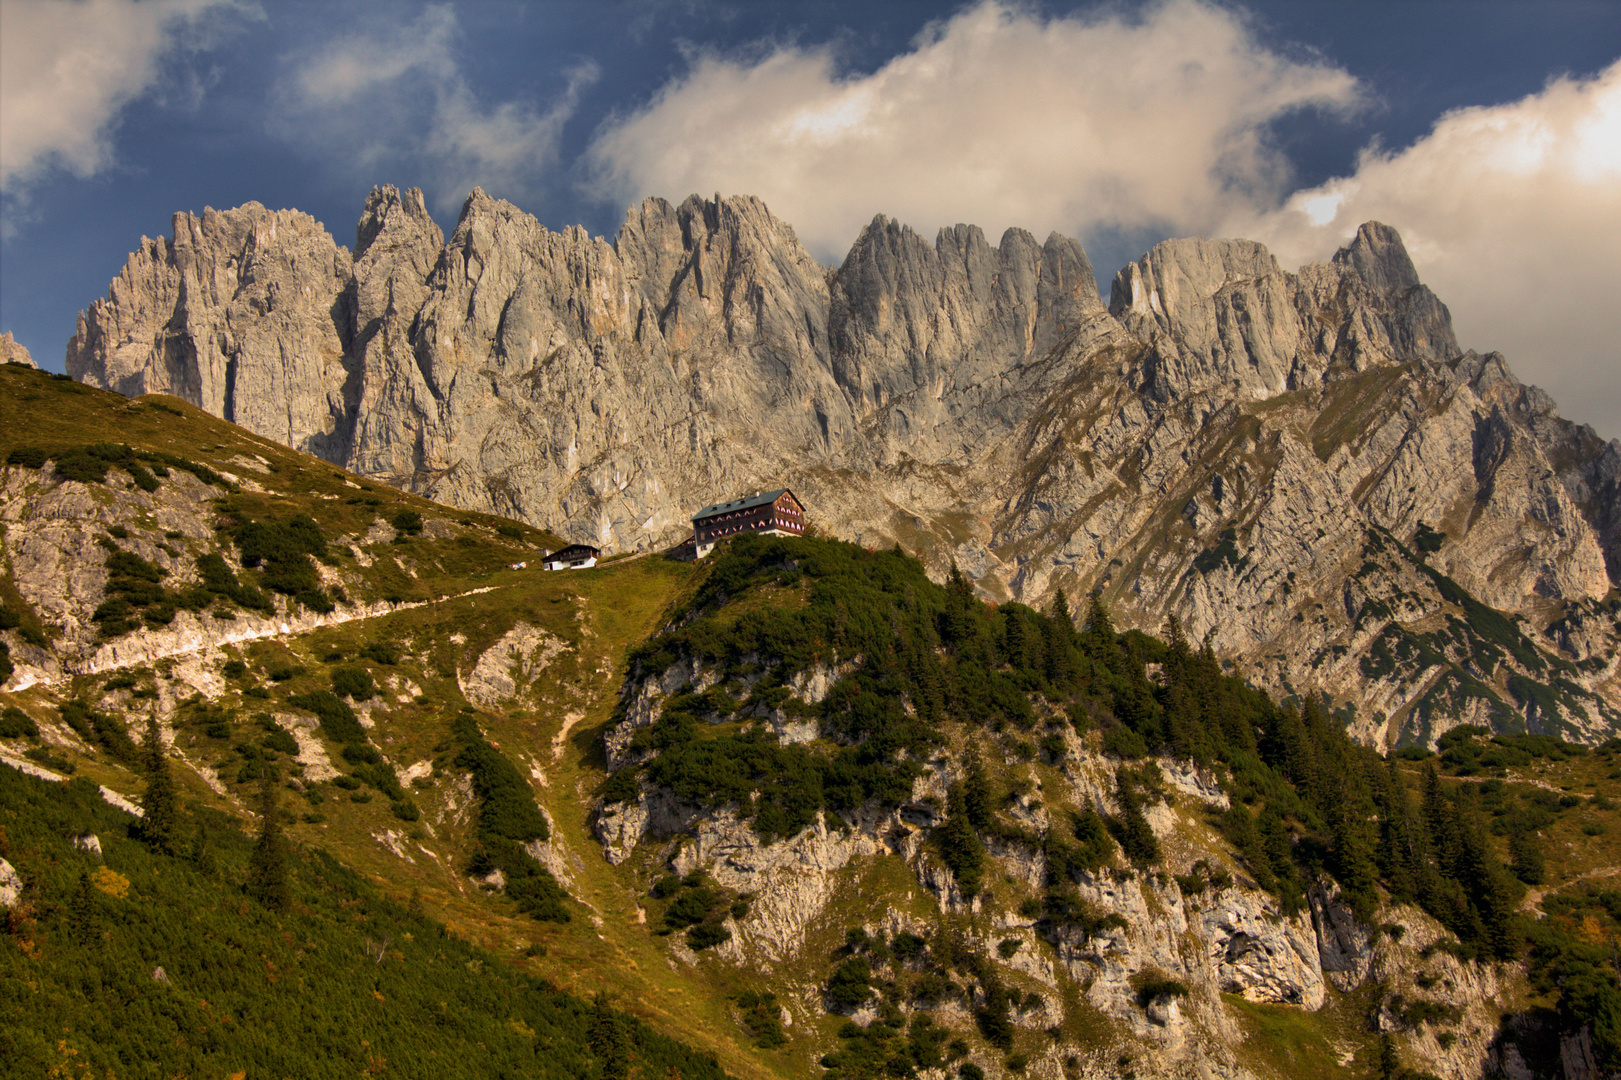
<point>1303,466</point>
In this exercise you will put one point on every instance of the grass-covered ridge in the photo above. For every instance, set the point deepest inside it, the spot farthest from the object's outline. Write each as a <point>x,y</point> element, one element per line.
<point>139,964</point>
<point>921,670</point>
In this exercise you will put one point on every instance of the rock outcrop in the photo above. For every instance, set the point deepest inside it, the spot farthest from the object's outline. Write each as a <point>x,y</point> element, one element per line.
<point>1302,466</point>
<point>13,352</point>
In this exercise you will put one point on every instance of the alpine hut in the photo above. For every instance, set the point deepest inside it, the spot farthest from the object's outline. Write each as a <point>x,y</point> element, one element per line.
<point>772,512</point>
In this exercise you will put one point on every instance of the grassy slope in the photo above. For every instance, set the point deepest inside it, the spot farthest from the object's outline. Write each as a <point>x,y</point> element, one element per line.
<point>596,614</point>
<point>551,731</point>
<point>343,983</point>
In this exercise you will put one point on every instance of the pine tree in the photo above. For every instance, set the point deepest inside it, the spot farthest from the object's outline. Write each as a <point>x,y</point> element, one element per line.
<point>1240,827</point>
<point>84,912</point>
<point>1525,848</point>
<point>1279,848</point>
<point>1396,844</point>
<point>267,869</point>
<point>1351,835</point>
<point>202,850</point>
<point>958,626</point>
<point>1389,1061</point>
<point>960,845</point>
<point>610,1042</point>
<point>1016,640</point>
<point>979,797</point>
<point>159,824</point>
<point>1100,640</point>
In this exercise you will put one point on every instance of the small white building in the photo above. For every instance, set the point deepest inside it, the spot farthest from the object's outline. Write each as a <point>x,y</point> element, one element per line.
<point>573,557</point>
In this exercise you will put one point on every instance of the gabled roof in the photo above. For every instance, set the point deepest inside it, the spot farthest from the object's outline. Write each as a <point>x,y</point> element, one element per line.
<point>573,548</point>
<point>765,498</point>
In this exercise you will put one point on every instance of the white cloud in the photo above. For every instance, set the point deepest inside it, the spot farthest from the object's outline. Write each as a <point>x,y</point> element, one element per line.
<point>997,116</point>
<point>400,98</point>
<point>1512,214</point>
<point>67,69</point>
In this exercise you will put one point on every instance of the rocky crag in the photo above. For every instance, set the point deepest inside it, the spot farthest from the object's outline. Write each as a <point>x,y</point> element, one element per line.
<point>1303,466</point>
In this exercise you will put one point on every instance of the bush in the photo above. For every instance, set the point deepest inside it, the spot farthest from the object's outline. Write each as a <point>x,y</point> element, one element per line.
<point>16,724</point>
<point>408,522</point>
<point>282,550</point>
<point>1123,742</point>
<point>706,935</point>
<point>382,652</point>
<point>851,984</point>
<point>81,466</point>
<point>1154,985</point>
<point>338,720</point>
<point>508,818</point>
<point>353,683</point>
<point>763,1018</point>
<point>29,457</point>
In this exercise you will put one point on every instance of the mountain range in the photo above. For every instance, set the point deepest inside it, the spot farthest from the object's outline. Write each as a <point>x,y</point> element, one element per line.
<point>1304,469</point>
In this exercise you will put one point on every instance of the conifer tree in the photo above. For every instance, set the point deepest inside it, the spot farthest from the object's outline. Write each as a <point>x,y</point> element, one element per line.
<point>1240,826</point>
<point>609,1040</point>
<point>960,845</point>
<point>979,798</point>
<point>202,850</point>
<point>84,912</point>
<point>1352,850</point>
<point>1016,640</point>
<point>1131,829</point>
<point>1525,848</point>
<point>1389,1061</point>
<point>958,626</point>
<point>159,825</point>
<point>267,869</point>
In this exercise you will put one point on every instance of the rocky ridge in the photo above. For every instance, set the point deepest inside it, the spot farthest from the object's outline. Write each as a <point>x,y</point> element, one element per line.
<point>1223,440</point>
<point>1197,919</point>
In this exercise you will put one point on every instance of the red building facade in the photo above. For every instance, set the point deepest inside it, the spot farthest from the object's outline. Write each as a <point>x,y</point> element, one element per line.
<point>776,512</point>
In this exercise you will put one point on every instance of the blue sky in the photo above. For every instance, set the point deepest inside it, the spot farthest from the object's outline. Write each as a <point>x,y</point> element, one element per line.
<point>1488,133</point>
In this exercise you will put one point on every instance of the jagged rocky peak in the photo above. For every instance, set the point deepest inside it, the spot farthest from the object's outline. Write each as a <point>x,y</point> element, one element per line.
<point>1225,441</point>
<point>238,313</point>
<point>13,351</point>
<point>404,218</point>
<point>1222,313</point>
<point>925,334</point>
<point>1380,259</point>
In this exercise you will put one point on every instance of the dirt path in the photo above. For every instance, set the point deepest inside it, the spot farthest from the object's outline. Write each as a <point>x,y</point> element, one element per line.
<point>1533,897</point>
<point>269,628</point>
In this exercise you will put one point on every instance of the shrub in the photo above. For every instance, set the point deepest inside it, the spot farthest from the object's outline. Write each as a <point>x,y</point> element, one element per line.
<point>338,720</point>
<point>706,935</point>
<point>851,984</point>
<point>408,522</point>
<point>507,819</point>
<point>763,1018</point>
<point>282,550</point>
<point>81,466</point>
<point>29,457</point>
<point>354,683</point>
<point>15,724</point>
<point>1153,985</point>
<point>382,652</point>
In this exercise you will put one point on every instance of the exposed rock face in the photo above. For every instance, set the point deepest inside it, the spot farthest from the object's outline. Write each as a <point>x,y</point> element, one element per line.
<point>1224,441</point>
<point>12,352</point>
<point>11,885</point>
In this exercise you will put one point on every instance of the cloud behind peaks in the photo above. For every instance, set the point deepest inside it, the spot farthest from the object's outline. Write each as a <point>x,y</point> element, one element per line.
<point>997,116</point>
<point>399,98</point>
<point>1512,214</point>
